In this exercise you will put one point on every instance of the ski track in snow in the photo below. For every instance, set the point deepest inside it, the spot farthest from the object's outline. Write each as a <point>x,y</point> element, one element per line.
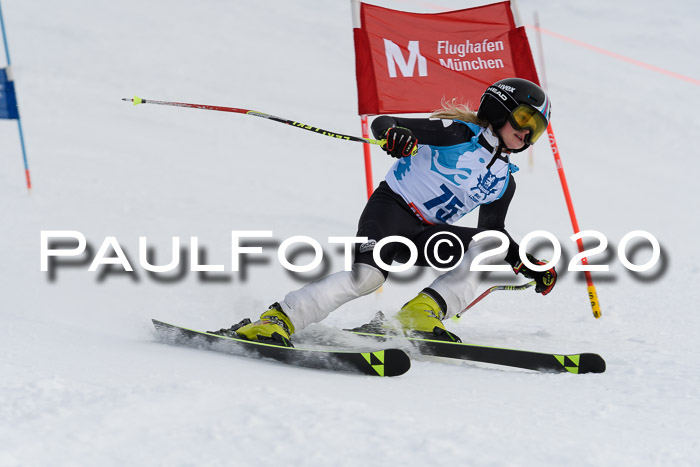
<point>82,379</point>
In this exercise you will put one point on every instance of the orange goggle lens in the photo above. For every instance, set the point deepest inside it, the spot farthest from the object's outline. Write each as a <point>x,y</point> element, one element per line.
<point>525,117</point>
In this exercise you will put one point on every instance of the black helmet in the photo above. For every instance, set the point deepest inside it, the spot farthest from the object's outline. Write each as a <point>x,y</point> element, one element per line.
<point>521,101</point>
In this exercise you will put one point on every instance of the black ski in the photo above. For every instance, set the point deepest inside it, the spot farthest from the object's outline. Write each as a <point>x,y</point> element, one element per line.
<point>386,362</point>
<point>545,362</point>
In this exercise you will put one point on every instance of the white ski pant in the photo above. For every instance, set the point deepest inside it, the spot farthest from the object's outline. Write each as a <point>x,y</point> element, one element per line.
<point>459,286</point>
<point>316,300</point>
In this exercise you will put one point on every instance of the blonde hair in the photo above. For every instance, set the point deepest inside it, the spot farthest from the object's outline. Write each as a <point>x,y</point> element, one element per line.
<point>453,111</point>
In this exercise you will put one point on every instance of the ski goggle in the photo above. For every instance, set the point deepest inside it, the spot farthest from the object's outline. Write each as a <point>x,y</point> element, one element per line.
<point>526,117</point>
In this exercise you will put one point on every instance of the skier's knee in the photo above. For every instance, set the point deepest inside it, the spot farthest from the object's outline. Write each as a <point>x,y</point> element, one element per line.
<point>476,247</point>
<point>366,278</point>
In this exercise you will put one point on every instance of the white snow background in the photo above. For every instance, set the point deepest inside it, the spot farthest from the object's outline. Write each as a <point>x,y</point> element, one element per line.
<point>83,381</point>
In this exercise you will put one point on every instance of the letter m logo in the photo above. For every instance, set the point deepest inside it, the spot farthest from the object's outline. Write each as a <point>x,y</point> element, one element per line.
<point>394,57</point>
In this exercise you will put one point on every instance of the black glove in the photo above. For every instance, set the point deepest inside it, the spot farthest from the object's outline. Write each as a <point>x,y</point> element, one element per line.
<point>400,142</point>
<point>545,280</point>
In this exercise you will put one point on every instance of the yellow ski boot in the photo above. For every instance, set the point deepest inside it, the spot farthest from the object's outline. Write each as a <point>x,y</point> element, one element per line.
<point>422,317</point>
<point>273,327</point>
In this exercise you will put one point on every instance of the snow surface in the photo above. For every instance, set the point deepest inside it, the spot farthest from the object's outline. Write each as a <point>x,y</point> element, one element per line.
<point>82,380</point>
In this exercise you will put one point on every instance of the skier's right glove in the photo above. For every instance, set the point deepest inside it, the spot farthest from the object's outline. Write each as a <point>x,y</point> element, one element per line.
<point>400,142</point>
<point>544,280</point>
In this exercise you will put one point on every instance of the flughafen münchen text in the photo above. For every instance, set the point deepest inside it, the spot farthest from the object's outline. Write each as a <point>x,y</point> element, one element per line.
<point>463,49</point>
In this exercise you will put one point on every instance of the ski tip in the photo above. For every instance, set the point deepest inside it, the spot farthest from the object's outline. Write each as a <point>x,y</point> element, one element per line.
<point>157,324</point>
<point>582,363</point>
<point>387,362</point>
<point>592,363</point>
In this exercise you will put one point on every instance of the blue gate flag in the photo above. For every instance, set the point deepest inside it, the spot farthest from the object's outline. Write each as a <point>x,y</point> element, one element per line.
<point>8,99</point>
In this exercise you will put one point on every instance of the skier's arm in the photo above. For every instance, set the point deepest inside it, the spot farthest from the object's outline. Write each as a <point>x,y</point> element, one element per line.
<point>427,131</point>
<point>492,216</point>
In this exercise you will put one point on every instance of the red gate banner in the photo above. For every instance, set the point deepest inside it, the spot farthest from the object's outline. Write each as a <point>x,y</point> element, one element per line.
<point>410,62</point>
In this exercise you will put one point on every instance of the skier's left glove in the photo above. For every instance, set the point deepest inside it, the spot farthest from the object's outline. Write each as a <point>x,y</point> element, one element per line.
<point>545,280</point>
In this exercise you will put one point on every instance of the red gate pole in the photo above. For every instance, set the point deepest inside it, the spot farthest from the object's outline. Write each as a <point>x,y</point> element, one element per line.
<point>368,159</point>
<point>592,294</point>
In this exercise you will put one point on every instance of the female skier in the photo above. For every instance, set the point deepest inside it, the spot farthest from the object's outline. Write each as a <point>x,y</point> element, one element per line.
<point>462,162</point>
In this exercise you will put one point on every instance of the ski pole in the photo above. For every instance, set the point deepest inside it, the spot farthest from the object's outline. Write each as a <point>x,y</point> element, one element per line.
<point>527,285</point>
<point>137,100</point>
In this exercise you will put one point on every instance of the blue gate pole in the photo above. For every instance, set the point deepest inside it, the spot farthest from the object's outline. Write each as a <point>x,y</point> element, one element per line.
<point>19,120</point>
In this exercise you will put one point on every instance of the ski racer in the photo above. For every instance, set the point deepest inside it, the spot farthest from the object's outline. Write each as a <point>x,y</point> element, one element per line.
<point>462,162</point>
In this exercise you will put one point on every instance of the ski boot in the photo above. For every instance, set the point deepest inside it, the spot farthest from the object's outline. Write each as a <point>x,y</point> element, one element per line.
<point>273,327</point>
<point>422,317</point>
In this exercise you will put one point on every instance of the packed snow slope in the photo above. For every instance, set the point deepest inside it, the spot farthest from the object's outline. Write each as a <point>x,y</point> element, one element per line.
<point>82,380</point>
